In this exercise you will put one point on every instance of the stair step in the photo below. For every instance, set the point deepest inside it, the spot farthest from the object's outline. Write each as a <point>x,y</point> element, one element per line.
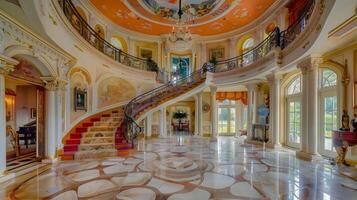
<point>75,135</point>
<point>70,147</point>
<point>73,141</point>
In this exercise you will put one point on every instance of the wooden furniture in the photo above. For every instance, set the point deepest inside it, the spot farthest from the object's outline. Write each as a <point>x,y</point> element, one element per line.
<point>27,133</point>
<point>14,139</point>
<point>341,141</point>
<point>260,132</point>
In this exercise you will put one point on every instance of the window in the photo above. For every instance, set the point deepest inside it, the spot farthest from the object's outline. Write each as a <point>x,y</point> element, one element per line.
<point>329,111</point>
<point>328,78</point>
<point>293,112</point>
<point>227,117</point>
<point>248,44</point>
<point>116,43</point>
<point>295,86</point>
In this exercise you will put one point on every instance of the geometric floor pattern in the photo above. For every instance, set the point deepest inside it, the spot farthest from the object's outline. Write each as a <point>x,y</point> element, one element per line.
<point>186,167</point>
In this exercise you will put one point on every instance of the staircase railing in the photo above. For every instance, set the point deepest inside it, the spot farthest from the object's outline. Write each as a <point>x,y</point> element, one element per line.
<point>91,36</point>
<point>152,97</point>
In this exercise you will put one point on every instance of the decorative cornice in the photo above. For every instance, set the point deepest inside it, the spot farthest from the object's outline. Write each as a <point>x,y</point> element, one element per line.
<point>7,64</point>
<point>53,84</point>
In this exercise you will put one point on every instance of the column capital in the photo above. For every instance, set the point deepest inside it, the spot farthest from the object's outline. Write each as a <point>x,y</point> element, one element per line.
<point>7,64</point>
<point>53,84</point>
<point>252,86</point>
<point>273,77</point>
<point>213,88</point>
<point>311,63</point>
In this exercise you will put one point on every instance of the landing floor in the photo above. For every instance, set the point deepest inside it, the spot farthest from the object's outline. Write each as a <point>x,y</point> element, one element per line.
<point>185,167</point>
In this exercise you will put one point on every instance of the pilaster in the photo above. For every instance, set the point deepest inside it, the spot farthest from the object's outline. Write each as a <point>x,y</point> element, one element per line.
<point>214,121</point>
<point>274,116</point>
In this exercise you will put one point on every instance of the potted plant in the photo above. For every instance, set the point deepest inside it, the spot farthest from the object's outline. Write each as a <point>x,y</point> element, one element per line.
<point>179,115</point>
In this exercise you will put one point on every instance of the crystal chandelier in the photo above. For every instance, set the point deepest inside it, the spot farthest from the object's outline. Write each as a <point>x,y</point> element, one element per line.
<point>180,35</point>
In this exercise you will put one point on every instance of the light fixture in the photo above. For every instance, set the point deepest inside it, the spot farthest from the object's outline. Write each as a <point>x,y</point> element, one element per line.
<point>180,36</point>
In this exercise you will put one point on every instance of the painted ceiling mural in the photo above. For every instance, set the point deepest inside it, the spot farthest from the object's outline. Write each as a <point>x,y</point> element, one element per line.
<point>207,17</point>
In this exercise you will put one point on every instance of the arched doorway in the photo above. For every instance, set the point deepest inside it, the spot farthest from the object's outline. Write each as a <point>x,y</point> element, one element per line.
<point>25,115</point>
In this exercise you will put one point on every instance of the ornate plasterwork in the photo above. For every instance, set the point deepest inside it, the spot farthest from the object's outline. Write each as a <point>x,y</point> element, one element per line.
<point>7,64</point>
<point>15,39</point>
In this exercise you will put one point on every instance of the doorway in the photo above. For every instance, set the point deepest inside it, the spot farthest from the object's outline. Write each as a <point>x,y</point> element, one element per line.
<point>25,109</point>
<point>180,66</point>
<point>227,118</point>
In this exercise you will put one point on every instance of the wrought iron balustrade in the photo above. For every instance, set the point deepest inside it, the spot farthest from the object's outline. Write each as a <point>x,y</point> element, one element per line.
<point>289,35</point>
<point>247,58</point>
<point>91,36</point>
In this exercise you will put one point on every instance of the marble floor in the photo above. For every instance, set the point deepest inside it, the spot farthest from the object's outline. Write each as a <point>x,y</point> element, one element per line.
<point>185,168</point>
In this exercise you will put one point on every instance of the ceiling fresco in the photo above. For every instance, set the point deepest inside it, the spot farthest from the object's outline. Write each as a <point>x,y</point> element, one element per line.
<point>207,17</point>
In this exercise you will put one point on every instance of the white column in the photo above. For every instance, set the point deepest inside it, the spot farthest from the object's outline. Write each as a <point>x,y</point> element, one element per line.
<point>2,124</point>
<point>59,118</point>
<point>162,121</point>
<point>214,121</point>
<point>200,115</point>
<point>252,108</point>
<point>67,109</point>
<point>148,126</point>
<point>203,54</point>
<point>50,122</point>
<point>239,117</point>
<point>4,70</point>
<point>159,54</point>
<point>196,115</point>
<point>232,47</point>
<point>309,111</point>
<point>274,116</point>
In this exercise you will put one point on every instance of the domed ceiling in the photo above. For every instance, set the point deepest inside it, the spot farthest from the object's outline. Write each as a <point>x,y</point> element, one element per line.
<point>207,17</point>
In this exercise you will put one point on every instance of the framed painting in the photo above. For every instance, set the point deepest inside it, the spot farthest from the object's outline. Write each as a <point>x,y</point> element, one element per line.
<point>217,53</point>
<point>146,53</point>
<point>80,99</point>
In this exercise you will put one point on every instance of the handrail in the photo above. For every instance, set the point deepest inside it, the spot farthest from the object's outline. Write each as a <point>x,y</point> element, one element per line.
<point>91,36</point>
<point>141,102</point>
<point>289,35</point>
<point>247,58</point>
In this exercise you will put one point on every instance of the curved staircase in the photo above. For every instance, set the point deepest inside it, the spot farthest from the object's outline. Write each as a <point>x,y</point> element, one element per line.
<point>97,136</point>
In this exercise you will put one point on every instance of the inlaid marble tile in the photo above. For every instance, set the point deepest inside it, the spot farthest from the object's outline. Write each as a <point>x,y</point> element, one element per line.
<point>216,181</point>
<point>118,168</point>
<point>164,186</point>
<point>132,179</point>
<point>194,195</point>
<point>137,194</point>
<point>94,188</point>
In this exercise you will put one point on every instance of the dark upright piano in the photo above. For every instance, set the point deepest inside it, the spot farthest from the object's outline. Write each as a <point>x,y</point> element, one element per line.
<point>27,133</point>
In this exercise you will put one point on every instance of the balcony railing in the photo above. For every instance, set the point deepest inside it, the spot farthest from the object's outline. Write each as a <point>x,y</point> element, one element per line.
<point>91,36</point>
<point>289,35</point>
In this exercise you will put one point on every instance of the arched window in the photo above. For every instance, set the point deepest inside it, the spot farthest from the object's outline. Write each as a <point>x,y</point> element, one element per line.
<point>329,109</point>
<point>293,112</point>
<point>117,43</point>
<point>248,44</point>
<point>295,86</point>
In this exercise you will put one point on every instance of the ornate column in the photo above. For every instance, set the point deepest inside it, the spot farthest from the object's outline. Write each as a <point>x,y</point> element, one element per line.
<point>200,115</point>
<point>59,118</point>
<point>274,118</point>
<point>50,125</point>
<point>214,121</point>
<point>131,46</point>
<point>232,47</point>
<point>159,54</point>
<point>203,54</point>
<point>239,117</point>
<point>6,65</point>
<point>148,126</point>
<point>252,108</point>
<point>196,115</point>
<point>67,110</point>
<point>309,111</point>
<point>162,122</point>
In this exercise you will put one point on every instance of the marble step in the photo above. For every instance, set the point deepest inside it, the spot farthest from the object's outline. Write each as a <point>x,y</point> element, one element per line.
<point>113,119</point>
<point>97,140</point>
<point>87,147</point>
<point>98,134</point>
<point>102,128</point>
<point>106,123</point>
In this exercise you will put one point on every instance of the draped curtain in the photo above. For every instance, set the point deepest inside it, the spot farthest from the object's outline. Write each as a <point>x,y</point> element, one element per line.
<point>243,96</point>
